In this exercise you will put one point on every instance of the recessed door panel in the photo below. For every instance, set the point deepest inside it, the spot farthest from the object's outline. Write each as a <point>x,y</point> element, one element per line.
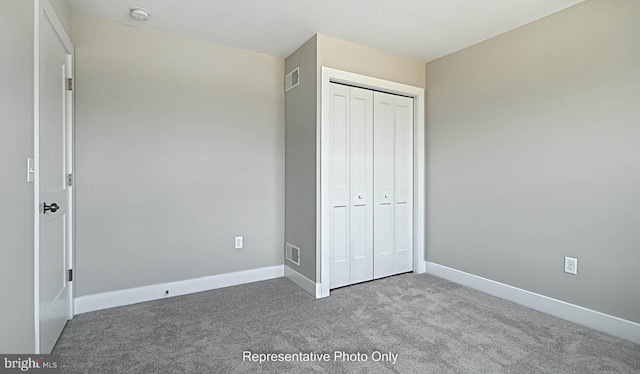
<point>340,244</point>
<point>358,232</point>
<point>339,248</point>
<point>383,155</point>
<point>403,259</point>
<point>359,138</point>
<point>403,149</point>
<point>339,147</point>
<point>383,231</point>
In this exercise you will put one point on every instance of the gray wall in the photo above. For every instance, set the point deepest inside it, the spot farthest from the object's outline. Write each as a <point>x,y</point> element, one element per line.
<point>16,145</point>
<point>63,11</point>
<point>533,153</point>
<point>300,176</point>
<point>179,148</point>
<point>302,121</point>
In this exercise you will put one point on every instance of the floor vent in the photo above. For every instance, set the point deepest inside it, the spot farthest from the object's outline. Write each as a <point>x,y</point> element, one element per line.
<point>292,253</point>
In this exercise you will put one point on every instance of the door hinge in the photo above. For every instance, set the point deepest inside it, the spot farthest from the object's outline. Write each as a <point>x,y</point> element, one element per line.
<point>69,84</point>
<point>70,275</point>
<point>70,180</point>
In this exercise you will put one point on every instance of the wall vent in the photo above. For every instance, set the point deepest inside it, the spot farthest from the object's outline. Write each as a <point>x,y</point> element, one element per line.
<point>292,253</point>
<point>292,79</point>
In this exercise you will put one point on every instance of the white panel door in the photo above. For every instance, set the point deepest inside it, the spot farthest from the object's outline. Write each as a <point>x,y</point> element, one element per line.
<point>403,196</point>
<point>383,191</point>
<point>54,290</point>
<point>339,215</point>
<point>370,163</point>
<point>351,185</point>
<point>361,122</point>
<point>393,181</point>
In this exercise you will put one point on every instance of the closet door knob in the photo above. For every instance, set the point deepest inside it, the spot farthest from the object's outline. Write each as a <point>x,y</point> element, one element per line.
<point>386,196</point>
<point>360,196</point>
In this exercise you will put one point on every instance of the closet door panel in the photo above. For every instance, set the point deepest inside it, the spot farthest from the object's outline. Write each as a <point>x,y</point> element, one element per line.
<point>383,159</point>
<point>403,198</point>
<point>361,122</point>
<point>403,259</point>
<point>370,169</point>
<point>338,133</point>
<point>403,149</point>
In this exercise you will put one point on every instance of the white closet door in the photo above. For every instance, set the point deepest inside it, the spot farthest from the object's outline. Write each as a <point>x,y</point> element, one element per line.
<point>370,164</point>
<point>361,117</point>
<point>339,217</point>
<point>403,197</point>
<point>383,165</point>
<point>351,184</point>
<point>393,181</point>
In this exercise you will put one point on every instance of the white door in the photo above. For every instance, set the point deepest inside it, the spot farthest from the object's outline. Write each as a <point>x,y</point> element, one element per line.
<point>53,196</point>
<point>351,185</point>
<point>393,184</point>
<point>370,163</point>
<point>403,183</point>
<point>361,162</point>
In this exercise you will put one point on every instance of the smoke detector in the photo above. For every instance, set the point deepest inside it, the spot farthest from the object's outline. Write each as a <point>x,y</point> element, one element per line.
<point>140,14</point>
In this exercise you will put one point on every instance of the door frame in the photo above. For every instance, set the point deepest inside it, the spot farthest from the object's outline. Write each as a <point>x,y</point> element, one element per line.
<point>44,7</point>
<point>330,75</point>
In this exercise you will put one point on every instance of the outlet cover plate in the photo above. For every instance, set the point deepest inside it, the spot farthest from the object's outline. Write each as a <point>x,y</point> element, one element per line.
<point>238,242</point>
<point>571,265</point>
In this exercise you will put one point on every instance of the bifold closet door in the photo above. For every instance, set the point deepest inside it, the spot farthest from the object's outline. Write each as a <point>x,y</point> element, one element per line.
<point>350,161</point>
<point>393,184</point>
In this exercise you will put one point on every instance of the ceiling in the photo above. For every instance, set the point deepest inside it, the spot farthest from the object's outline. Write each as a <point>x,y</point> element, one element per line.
<point>421,29</point>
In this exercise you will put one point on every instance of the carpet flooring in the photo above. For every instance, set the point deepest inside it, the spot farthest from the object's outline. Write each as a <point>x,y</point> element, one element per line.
<point>432,325</point>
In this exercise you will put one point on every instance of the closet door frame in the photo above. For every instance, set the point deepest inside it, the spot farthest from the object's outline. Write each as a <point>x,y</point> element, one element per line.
<point>330,75</point>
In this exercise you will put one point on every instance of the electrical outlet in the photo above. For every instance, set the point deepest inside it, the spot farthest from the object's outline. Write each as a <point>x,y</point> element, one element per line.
<point>571,265</point>
<point>238,242</point>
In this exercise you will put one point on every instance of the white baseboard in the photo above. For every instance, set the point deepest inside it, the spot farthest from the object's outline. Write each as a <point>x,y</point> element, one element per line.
<point>312,288</point>
<point>608,324</point>
<point>136,295</point>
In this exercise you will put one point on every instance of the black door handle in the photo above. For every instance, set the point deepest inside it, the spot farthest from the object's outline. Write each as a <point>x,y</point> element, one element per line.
<point>52,208</point>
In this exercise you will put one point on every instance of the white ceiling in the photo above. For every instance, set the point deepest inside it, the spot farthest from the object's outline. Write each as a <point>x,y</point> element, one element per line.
<point>422,29</point>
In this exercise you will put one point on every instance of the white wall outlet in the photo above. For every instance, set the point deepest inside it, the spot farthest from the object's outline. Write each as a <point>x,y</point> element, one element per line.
<point>238,242</point>
<point>571,265</point>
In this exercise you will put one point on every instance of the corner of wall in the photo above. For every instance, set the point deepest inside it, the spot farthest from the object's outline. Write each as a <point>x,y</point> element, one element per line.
<point>300,158</point>
<point>520,139</point>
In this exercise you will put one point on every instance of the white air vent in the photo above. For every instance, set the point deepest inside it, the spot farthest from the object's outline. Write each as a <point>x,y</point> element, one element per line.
<point>292,79</point>
<point>292,253</point>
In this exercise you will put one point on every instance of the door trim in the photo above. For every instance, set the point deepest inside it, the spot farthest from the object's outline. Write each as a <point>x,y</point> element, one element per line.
<point>330,75</point>
<point>44,7</point>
